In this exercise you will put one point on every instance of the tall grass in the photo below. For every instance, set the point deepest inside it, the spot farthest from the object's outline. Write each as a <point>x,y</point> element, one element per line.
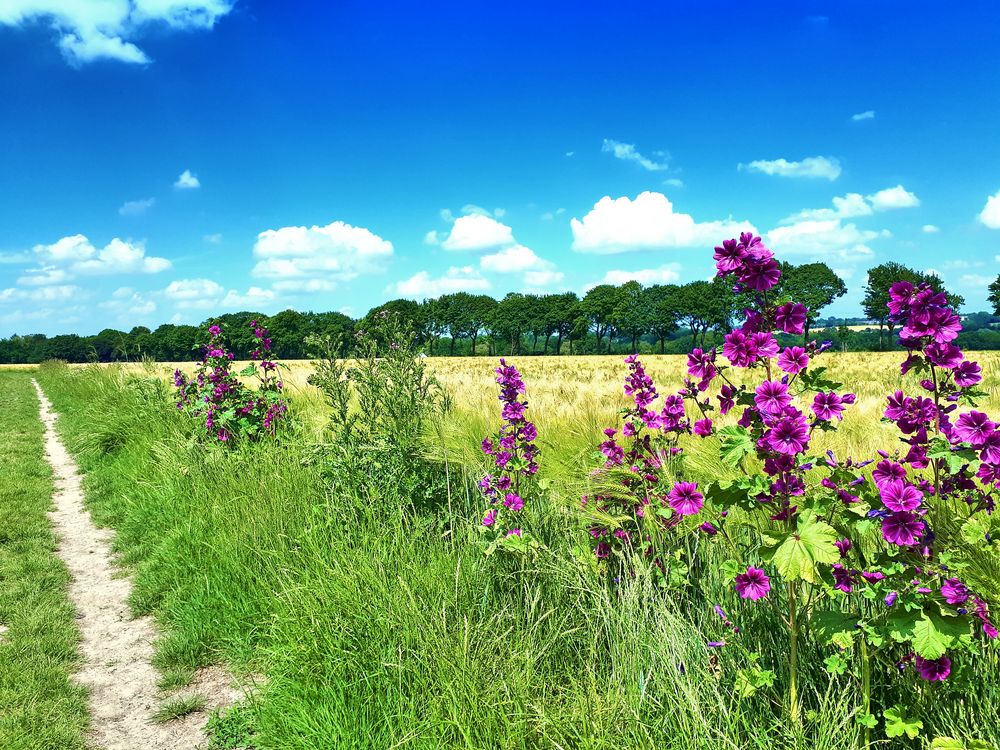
<point>377,622</point>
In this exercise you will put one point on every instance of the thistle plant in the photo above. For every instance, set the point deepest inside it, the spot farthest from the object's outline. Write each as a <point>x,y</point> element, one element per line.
<point>227,409</point>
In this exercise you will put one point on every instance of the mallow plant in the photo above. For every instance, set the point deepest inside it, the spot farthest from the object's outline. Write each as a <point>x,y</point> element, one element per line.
<point>875,555</point>
<point>227,409</point>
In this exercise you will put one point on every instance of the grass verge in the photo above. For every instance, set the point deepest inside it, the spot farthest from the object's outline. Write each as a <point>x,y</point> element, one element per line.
<point>40,708</point>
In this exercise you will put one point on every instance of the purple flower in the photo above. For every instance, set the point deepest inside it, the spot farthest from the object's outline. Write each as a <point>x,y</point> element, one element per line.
<point>791,317</point>
<point>726,399</point>
<point>886,471</point>
<point>793,359</point>
<point>902,529</point>
<point>898,496</point>
<point>709,528</point>
<point>703,427</point>
<point>702,364</point>
<point>513,532</point>
<point>843,545</point>
<point>933,670</point>
<point>214,330</point>
<point>974,427</point>
<point>954,591</point>
<point>739,349</point>
<point>513,501</point>
<point>967,374</point>
<point>772,397</point>
<point>490,518</point>
<point>685,498</point>
<point>789,435</point>
<point>753,584</point>
<point>891,598</point>
<point>843,579</point>
<point>828,405</point>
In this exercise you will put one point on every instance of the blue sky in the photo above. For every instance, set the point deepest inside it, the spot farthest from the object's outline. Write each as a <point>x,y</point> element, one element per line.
<point>168,159</point>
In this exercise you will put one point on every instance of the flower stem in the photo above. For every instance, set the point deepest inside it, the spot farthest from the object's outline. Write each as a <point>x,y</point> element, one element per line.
<point>793,656</point>
<point>866,689</point>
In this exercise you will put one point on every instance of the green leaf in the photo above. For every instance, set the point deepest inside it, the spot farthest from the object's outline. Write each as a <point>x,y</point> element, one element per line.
<point>837,628</point>
<point>975,529</point>
<point>897,723</point>
<point>836,664</point>
<point>247,371</point>
<point>735,444</point>
<point>947,743</point>
<point>935,633</point>
<point>801,550</point>
<point>866,720</point>
<point>901,624</point>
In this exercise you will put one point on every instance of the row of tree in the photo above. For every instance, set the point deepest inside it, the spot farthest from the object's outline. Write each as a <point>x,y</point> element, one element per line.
<point>630,316</point>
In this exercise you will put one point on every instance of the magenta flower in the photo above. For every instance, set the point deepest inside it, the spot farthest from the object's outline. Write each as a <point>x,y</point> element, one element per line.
<point>789,435</point>
<point>214,330</point>
<point>772,397</point>
<point>726,399</point>
<point>739,349</point>
<point>701,364</point>
<point>753,584</point>
<point>902,529</point>
<point>954,591</point>
<point>490,518</point>
<point>793,359</point>
<point>886,471</point>
<point>513,501</point>
<point>828,405</point>
<point>967,374</point>
<point>791,317</point>
<point>685,499</point>
<point>703,427</point>
<point>974,427</point>
<point>933,670</point>
<point>899,497</point>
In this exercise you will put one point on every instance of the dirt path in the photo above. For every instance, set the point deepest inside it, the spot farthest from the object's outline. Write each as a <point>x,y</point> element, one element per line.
<point>117,650</point>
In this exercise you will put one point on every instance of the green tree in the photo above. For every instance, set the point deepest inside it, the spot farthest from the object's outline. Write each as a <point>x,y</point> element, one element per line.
<point>876,299</point>
<point>814,285</point>
<point>661,301</point>
<point>599,306</point>
<point>994,296</point>
<point>631,315</point>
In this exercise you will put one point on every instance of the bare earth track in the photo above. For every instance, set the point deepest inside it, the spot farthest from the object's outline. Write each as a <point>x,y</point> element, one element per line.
<point>117,650</point>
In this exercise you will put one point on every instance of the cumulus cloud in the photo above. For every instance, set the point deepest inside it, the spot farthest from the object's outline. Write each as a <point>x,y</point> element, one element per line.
<point>976,281</point>
<point>57,293</point>
<point>255,297</point>
<point>514,259</point>
<point>92,30</point>
<point>866,115</point>
<point>543,279</point>
<point>821,167</point>
<point>826,240</point>
<point>930,229</point>
<point>457,279</point>
<point>477,232</point>
<point>136,208</point>
<point>75,255</point>
<point>187,181</point>
<point>335,252</point>
<point>894,197</point>
<point>667,274</point>
<point>854,205</point>
<point>649,222</point>
<point>990,215</point>
<point>628,152</point>
<point>127,300</point>
<point>194,292</point>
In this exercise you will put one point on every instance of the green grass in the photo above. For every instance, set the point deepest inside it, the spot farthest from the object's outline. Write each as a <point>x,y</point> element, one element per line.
<point>377,623</point>
<point>175,708</point>
<point>40,709</point>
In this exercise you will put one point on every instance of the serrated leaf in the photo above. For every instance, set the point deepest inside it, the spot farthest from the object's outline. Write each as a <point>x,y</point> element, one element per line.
<point>975,529</point>
<point>897,723</point>
<point>735,443</point>
<point>901,624</point>
<point>247,371</point>
<point>935,633</point>
<point>837,628</point>
<point>947,743</point>
<point>866,720</point>
<point>801,550</point>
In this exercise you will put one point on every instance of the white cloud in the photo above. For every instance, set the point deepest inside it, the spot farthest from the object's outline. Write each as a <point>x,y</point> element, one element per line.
<point>136,208</point>
<point>543,279</point>
<point>128,300</point>
<point>853,205</point>
<point>674,182</point>
<point>58,293</point>
<point>812,166</point>
<point>431,238</point>
<point>77,255</point>
<point>894,197</point>
<point>827,240</point>
<point>514,259</point>
<point>930,229</point>
<point>976,280</point>
<point>194,293</point>
<point>213,239</point>
<point>866,115</point>
<point>254,297</point>
<point>477,232</point>
<point>309,286</point>
<point>627,152</point>
<point>464,279</point>
<point>990,215</point>
<point>44,276</point>
<point>337,251</point>
<point>100,29</point>
<point>187,181</point>
<point>649,222</point>
<point>663,275</point>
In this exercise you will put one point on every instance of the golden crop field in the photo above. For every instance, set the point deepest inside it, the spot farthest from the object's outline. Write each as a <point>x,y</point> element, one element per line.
<point>571,399</point>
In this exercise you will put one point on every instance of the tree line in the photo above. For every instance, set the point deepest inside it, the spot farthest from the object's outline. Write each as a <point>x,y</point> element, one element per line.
<point>664,318</point>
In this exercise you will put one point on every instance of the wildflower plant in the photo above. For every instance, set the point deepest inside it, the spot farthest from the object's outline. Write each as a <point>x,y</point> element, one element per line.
<point>869,554</point>
<point>215,395</point>
<point>514,457</point>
